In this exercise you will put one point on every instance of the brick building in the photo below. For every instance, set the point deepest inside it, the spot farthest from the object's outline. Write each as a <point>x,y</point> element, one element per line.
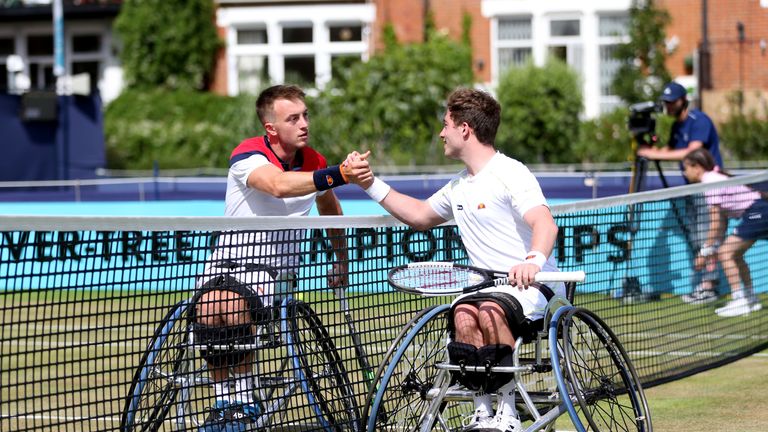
<point>298,40</point>
<point>737,36</point>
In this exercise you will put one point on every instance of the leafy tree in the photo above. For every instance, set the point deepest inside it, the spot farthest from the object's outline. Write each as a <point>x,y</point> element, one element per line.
<point>392,104</point>
<point>539,112</point>
<point>168,43</point>
<point>644,72</point>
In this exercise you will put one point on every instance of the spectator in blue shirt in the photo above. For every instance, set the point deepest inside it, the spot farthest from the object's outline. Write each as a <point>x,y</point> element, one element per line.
<point>692,130</point>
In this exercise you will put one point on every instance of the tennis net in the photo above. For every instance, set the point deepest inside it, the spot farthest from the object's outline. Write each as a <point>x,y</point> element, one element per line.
<point>89,302</point>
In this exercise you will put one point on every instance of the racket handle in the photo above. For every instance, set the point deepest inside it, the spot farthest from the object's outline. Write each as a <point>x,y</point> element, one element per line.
<point>569,276</point>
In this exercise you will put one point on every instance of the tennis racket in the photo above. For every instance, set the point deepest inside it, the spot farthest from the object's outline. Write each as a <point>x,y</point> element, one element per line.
<point>445,278</point>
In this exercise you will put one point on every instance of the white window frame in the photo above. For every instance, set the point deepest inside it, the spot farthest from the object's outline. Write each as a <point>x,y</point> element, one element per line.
<point>274,18</point>
<point>498,44</point>
<point>608,100</point>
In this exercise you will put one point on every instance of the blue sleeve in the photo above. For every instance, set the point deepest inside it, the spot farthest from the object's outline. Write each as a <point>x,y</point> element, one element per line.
<point>701,130</point>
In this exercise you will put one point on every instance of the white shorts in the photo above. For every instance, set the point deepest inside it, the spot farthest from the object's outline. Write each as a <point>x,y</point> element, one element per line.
<point>268,288</point>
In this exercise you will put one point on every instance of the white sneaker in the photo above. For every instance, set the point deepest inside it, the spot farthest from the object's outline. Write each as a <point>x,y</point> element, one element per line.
<point>738,307</point>
<point>699,297</point>
<point>479,421</point>
<point>507,424</point>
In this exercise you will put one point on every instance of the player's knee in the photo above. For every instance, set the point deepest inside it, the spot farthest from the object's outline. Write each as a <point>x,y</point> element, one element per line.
<point>491,316</point>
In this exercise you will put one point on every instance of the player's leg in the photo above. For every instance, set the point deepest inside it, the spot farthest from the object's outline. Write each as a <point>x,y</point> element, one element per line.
<point>731,255</point>
<point>468,337</point>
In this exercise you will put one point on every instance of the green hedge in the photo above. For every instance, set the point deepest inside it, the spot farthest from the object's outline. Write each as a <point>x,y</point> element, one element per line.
<point>178,129</point>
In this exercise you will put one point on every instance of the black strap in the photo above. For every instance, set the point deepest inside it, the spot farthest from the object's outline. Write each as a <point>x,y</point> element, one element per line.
<point>231,265</point>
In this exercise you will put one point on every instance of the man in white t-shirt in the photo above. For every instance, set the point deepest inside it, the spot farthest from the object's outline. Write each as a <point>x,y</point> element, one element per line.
<point>505,224</point>
<point>276,174</point>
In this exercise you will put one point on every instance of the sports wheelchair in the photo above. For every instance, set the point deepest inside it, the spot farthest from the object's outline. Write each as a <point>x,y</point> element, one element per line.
<point>588,374</point>
<point>299,379</point>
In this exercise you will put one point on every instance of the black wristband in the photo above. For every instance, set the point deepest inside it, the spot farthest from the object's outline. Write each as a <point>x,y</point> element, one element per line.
<point>328,178</point>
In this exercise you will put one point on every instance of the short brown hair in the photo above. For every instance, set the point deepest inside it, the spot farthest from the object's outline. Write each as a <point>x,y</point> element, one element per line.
<point>478,109</point>
<point>265,103</point>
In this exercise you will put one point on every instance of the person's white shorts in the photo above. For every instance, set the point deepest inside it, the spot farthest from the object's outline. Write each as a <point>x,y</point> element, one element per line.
<point>269,287</point>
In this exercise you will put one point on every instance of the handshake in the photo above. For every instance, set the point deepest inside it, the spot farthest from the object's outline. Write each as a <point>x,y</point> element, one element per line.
<point>357,170</point>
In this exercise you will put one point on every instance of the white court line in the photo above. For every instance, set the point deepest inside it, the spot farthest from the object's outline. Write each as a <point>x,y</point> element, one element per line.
<point>66,418</point>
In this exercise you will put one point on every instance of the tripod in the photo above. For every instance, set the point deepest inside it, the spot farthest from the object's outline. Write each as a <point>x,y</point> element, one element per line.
<point>631,288</point>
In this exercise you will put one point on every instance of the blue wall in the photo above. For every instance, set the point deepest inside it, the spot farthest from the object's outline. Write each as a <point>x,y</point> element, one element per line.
<point>72,147</point>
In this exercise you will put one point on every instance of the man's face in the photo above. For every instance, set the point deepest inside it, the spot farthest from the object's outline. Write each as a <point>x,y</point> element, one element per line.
<point>452,136</point>
<point>674,108</point>
<point>291,123</point>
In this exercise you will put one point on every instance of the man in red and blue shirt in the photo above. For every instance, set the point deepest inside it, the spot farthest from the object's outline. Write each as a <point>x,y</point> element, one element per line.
<point>276,174</point>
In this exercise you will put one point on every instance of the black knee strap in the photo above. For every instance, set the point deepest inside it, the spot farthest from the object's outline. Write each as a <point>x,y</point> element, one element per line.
<point>495,355</point>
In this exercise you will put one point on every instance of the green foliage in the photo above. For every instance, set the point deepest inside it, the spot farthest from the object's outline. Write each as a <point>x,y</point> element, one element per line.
<point>604,139</point>
<point>643,73</point>
<point>392,104</point>
<point>745,135</point>
<point>178,129</point>
<point>167,43</point>
<point>539,112</point>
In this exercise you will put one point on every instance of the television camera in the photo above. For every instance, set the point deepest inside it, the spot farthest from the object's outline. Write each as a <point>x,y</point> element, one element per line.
<point>642,122</point>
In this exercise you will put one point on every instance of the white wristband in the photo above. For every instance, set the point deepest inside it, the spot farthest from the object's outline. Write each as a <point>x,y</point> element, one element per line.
<point>378,190</point>
<point>707,251</point>
<point>536,257</point>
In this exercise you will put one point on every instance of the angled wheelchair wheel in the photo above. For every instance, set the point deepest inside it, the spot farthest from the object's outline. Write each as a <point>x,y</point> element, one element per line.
<point>154,387</point>
<point>319,368</point>
<point>600,376</point>
<point>409,387</point>
<point>396,342</point>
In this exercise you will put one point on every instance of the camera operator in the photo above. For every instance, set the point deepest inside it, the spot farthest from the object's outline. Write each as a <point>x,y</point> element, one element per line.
<point>692,130</point>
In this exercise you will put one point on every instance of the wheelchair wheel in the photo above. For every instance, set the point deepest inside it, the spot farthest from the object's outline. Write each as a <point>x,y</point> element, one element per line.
<point>386,360</point>
<point>319,368</point>
<point>154,389</point>
<point>601,376</point>
<point>410,381</point>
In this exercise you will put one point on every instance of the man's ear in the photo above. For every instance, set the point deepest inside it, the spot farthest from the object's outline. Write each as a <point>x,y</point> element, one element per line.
<point>466,130</point>
<point>270,128</point>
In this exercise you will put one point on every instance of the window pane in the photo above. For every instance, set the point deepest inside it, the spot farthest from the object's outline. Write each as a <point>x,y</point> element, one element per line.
<point>565,27</point>
<point>86,43</point>
<point>3,82</point>
<point>614,25</point>
<point>297,34</point>
<point>6,46</point>
<point>608,68</point>
<point>89,67</point>
<point>300,70</point>
<point>515,29</point>
<point>252,37</point>
<point>513,57</point>
<point>252,73</point>
<point>41,77</point>
<point>40,45</point>
<point>346,33</point>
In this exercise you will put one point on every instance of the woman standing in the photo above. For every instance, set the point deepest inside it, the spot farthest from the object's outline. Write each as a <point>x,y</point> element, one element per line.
<point>736,202</point>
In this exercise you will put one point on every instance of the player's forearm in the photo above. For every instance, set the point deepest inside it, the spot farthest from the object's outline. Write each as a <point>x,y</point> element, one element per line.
<point>414,212</point>
<point>544,237</point>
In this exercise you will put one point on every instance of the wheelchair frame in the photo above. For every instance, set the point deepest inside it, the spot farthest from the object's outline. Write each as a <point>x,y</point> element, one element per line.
<point>173,375</point>
<point>593,379</point>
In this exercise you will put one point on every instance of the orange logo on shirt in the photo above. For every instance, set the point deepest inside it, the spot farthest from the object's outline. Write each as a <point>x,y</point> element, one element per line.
<point>480,206</point>
<point>329,180</point>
